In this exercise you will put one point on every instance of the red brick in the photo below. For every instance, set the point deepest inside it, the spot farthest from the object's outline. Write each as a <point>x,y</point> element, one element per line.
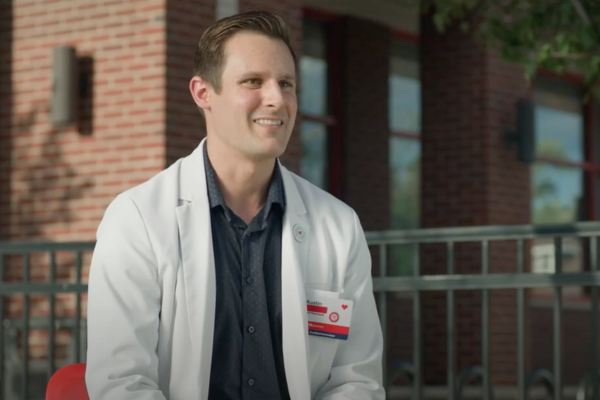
<point>467,177</point>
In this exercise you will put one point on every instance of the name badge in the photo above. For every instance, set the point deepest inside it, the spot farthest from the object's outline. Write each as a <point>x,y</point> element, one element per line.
<point>328,316</point>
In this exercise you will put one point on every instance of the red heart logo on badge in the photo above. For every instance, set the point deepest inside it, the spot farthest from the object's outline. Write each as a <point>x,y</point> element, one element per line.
<point>344,306</point>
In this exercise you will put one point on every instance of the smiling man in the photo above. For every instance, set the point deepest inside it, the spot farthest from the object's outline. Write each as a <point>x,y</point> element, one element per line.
<point>226,276</point>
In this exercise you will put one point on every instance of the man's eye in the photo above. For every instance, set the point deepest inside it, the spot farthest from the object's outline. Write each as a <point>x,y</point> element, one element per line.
<point>253,81</point>
<point>286,84</point>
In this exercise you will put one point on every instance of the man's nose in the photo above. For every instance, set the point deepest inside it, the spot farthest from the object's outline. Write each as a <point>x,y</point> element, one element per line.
<point>273,96</point>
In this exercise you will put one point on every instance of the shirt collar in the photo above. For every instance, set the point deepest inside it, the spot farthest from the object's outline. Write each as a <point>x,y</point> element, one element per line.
<point>276,193</point>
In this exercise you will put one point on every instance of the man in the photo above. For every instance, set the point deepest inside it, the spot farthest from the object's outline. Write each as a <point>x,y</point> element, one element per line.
<point>226,276</point>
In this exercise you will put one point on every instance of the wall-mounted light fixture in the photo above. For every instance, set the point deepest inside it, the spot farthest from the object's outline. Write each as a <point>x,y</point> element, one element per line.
<point>65,87</point>
<point>523,134</point>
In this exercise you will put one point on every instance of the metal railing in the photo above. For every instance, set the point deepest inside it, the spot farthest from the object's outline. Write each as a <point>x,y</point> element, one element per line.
<point>450,282</point>
<point>11,329</point>
<point>486,281</point>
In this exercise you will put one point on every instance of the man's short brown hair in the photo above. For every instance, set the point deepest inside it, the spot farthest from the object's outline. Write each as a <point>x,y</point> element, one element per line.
<point>209,59</point>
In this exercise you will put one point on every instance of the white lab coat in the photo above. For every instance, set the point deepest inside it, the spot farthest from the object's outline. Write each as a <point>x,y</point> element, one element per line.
<point>151,303</point>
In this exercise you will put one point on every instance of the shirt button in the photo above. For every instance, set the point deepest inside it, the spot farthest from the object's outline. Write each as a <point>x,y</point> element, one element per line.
<point>250,382</point>
<point>251,329</point>
<point>250,280</point>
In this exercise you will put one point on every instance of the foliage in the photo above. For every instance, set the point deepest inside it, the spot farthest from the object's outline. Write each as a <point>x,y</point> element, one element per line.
<point>554,35</point>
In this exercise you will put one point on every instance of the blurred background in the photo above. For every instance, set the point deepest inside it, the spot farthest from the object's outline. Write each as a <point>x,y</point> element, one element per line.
<point>462,159</point>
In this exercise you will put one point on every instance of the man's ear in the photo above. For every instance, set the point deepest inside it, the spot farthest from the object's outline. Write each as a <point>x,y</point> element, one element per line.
<point>200,90</point>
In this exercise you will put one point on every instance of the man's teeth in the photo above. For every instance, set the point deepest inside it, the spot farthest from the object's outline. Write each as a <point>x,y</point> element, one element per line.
<point>268,122</point>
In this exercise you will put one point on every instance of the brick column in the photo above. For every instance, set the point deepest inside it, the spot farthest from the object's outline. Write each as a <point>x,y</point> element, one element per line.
<point>365,69</point>
<point>469,178</point>
<point>6,104</point>
<point>186,22</point>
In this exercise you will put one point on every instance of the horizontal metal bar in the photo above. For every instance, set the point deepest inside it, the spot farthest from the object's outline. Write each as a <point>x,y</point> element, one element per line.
<point>41,288</point>
<point>491,281</point>
<point>479,233</point>
<point>42,323</point>
<point>28,247</point>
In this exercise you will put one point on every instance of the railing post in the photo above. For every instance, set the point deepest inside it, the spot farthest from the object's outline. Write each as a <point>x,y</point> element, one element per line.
<point>2,341</point>
<point>77,327</point>
<point>418,375</point>
<point>557,322</point>
<point>25,340</point>
<point>594,318</point>
<point>485,339</point>
<point>383,312</point>
<point>51,318</point>
<point>521,323</point>
<point>450,326</point>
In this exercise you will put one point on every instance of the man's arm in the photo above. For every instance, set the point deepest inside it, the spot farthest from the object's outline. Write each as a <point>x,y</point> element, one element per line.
<point>123,309</point>
<point>356,373</point>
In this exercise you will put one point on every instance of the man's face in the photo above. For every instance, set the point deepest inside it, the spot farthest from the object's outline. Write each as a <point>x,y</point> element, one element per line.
<point>255,111</point>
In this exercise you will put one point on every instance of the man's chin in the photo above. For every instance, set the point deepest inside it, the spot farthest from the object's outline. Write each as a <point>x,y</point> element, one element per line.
<point>264,153</point>
<point>271,147</point>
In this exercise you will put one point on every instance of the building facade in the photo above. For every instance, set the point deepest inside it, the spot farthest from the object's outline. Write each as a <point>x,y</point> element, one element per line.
<point>404,123</point>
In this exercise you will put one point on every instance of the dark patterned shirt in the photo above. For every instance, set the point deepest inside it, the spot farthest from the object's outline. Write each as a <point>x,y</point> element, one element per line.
<point>247,359</point>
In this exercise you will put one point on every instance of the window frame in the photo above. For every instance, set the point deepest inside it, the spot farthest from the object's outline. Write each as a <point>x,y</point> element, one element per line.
<point>413,39</point>
<point>332,120</point>
<point>589,168</point>
<point>402,36</point>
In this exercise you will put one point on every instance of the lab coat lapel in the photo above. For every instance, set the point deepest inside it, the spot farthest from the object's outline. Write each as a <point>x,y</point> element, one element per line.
<point>294,248</point>
<point>193,218</point>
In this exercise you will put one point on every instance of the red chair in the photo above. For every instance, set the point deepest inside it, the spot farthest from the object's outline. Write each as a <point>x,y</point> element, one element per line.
<point>68,383</point>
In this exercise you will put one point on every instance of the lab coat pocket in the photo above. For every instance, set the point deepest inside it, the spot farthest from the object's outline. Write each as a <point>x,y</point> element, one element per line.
<point>322,349</point>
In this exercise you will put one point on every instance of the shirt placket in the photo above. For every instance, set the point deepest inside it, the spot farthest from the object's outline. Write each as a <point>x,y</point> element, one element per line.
<point>250,302</point>
<point>258,369</point>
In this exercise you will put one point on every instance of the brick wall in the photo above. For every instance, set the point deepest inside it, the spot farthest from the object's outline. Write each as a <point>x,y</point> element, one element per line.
<point>469,178</point>
<point>365,173</point>
<point>6,104</point>
<point>63,180</point>
<point>186,22</point>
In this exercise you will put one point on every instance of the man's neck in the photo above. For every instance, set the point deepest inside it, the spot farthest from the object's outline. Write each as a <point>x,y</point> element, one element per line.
<point>243,182</point>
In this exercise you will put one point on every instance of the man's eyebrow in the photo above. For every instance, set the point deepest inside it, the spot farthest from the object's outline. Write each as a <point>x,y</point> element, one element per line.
<point>259,74</point>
